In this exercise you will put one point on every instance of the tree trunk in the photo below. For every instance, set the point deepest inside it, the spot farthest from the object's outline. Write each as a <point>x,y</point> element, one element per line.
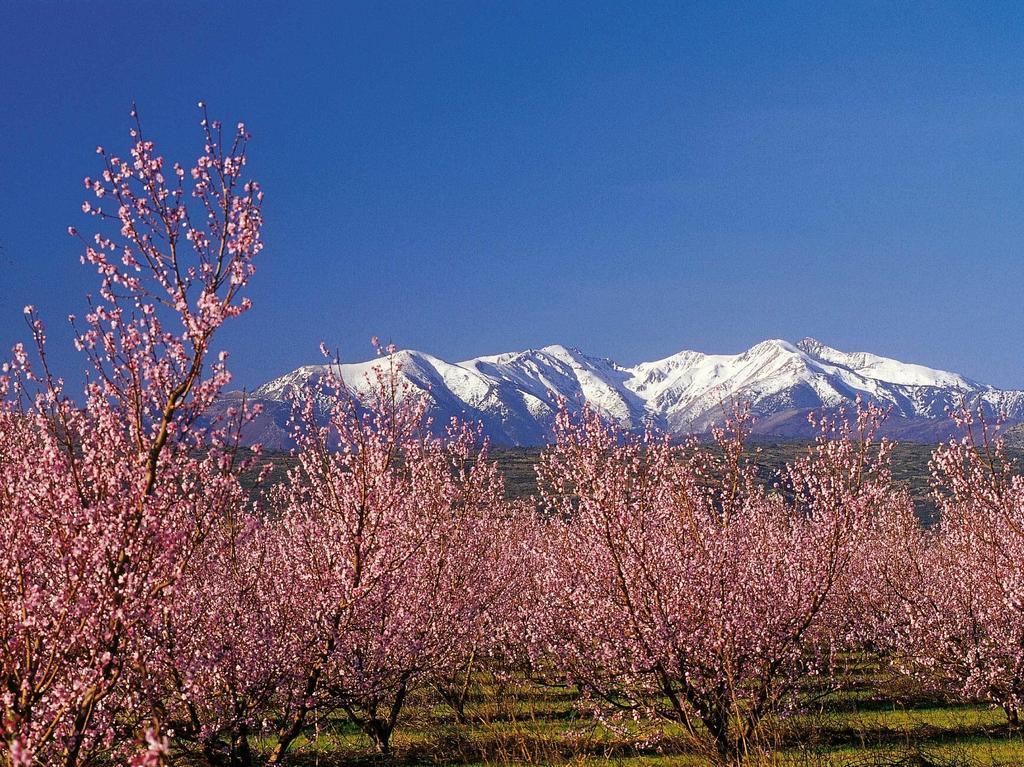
<point>717,724</point>
<point>1012,716</point>
<point>236,754</point>
<point>380,731</point>
<point>291,731</point>
<point>286,735</point>
<point>241,753</point>
<point>455,700</point>
<point>381,728</point>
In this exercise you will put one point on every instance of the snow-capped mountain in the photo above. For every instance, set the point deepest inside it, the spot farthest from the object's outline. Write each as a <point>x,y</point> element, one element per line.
<point>515,395</point>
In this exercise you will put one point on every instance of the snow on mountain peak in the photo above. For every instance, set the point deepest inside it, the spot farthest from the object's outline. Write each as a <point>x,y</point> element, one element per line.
<point>772,346</point>
<point>516,395</point>
<point>885,368</point>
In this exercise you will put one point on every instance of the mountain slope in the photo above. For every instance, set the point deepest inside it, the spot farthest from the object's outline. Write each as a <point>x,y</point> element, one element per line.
<point>515,395</point>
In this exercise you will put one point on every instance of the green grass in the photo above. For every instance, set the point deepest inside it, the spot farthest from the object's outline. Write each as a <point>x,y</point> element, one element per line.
<point>873,723</point>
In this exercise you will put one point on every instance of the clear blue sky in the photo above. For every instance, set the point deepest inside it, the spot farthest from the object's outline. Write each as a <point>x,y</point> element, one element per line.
<point>632,178</point>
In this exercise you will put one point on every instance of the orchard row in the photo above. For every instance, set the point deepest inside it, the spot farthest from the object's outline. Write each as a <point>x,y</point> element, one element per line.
<point>151,607</point>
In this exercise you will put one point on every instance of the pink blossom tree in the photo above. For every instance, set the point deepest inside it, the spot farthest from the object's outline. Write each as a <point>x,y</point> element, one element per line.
<point>103,501</point>
<point>957,618</point>
<point>397,539</point>
<point>676,586</point>
<point>222,646</point>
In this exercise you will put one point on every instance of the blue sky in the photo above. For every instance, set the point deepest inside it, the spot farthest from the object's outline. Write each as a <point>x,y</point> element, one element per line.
<point>632,179</point>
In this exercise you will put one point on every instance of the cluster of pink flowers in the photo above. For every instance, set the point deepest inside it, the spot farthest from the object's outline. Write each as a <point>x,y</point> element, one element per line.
<point>372,572</point>
<point>152,603</point>
<point>956,611</point>
<point>106,500</point>
<point>678,586</point>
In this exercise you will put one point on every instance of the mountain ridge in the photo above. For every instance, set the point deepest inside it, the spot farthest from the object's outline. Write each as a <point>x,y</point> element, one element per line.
<point>515,395</point>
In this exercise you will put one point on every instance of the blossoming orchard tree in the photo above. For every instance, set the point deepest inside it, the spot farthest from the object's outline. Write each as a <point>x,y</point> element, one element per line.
<point>222,645</point>
<point>103,500</point>
<point>957,621</point>
<point>677,586</point>
<point>397,544</point>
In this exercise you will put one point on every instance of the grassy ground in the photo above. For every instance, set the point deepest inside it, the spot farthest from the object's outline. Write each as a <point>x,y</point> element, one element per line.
<point>874,723</point>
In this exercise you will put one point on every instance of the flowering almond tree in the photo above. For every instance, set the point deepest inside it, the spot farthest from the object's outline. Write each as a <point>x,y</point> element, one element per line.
<point>396,541</point>
<point>103,501</point>
<point>958,621</point>
<point>221,645</point>
<point>676,586</point>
